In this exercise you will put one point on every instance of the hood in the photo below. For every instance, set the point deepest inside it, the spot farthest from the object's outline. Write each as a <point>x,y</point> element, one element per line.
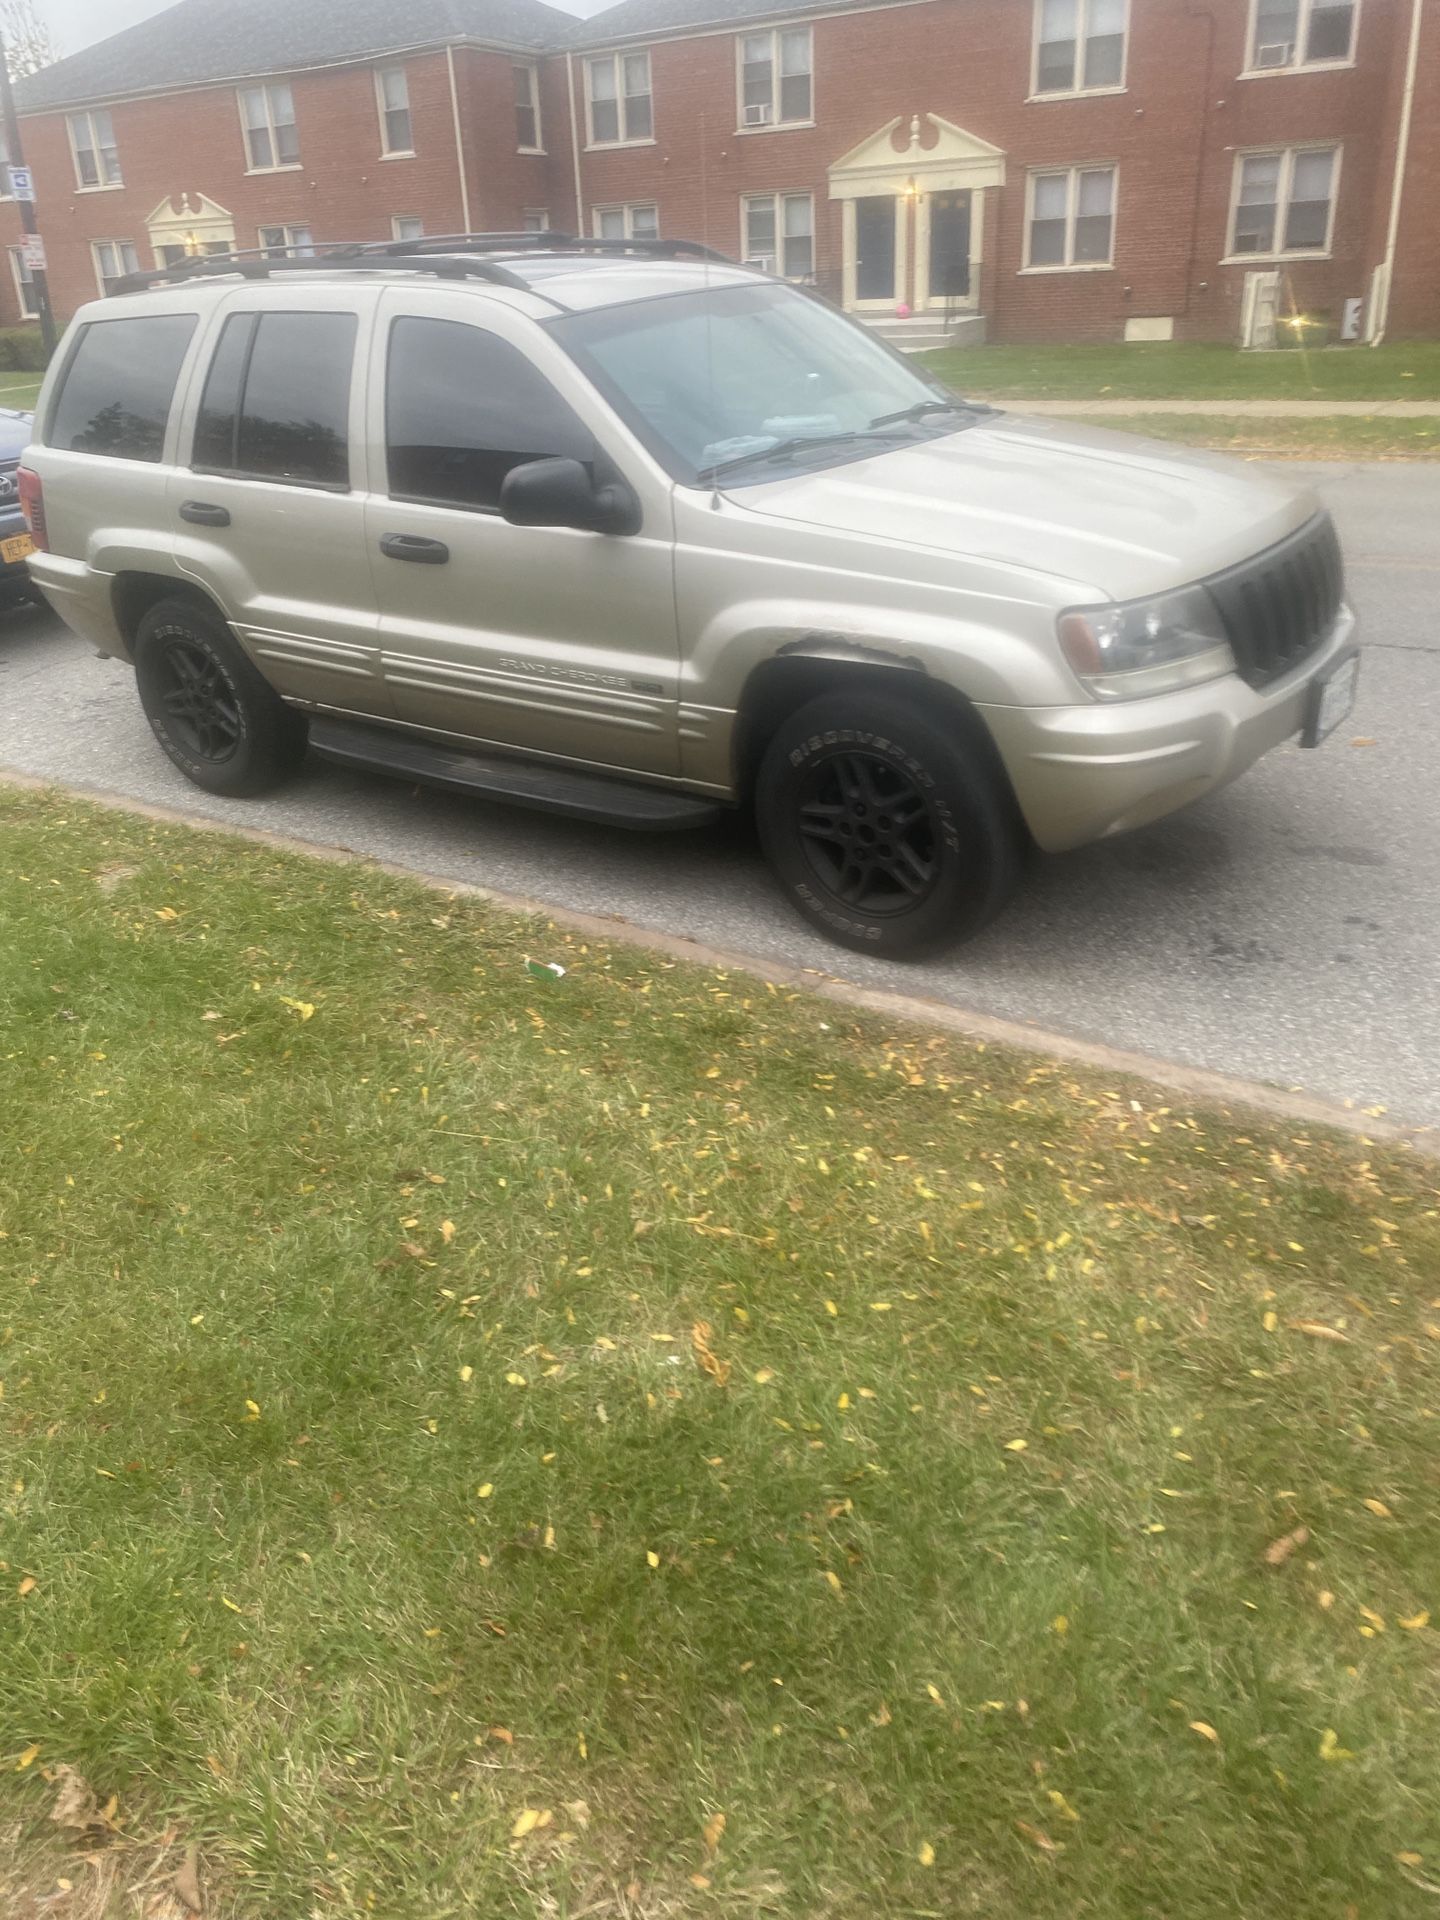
<point>1123,516</point>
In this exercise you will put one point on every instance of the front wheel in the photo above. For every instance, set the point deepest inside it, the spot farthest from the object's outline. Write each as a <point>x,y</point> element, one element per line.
<point>888,827</point>
<point>219,720</point>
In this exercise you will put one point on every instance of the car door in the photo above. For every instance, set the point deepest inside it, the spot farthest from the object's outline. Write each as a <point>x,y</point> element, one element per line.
<point>268,502</point>
<point>546,639</point>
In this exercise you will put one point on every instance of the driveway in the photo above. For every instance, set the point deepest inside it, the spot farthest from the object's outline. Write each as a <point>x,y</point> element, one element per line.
<point>1288,929</point>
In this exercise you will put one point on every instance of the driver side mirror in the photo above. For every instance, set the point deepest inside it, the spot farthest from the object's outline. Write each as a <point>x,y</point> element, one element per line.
<point>561,493</point>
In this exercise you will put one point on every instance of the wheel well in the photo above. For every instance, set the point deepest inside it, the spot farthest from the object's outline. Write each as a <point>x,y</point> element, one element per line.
<point>779,687</point>
<point>133,594</point>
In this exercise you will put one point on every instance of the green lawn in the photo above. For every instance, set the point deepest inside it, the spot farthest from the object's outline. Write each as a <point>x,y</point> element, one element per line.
<point>1120,372</point>
<point>1328,437</point>
<point>465,1431</point>
<point>20,390</point>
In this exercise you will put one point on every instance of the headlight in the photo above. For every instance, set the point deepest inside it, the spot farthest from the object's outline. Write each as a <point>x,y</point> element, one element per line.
<point>1146,646</point>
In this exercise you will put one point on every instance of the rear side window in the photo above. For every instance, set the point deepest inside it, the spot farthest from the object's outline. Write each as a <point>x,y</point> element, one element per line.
<point>116,394</point>
<point>462,408</point>
<point>276,404</point>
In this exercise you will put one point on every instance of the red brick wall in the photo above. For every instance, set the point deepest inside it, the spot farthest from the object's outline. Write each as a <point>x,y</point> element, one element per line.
<point>1173,134</point>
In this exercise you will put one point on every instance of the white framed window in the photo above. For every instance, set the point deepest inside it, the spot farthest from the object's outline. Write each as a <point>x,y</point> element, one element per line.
<point>292,243</point>
<point>1070,219</point>
<point>407,226</point>
<point>527,107</point>
<point>1079,46</point>
<point>112,258</point>
<point>1289,34</point>
<point>776,78</point>
<point>24,285</point>
<point>535,220</point>
<point>392,98</point>
<point>639,220</point>
<point>271,139</point>
<point>618,103</point>
<point>92,146</point>
<point>777,232</point>
<point>1283,202</point>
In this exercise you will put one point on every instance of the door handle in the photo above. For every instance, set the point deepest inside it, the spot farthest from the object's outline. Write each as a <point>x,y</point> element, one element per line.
<point>414,546</point>
<point>201,513</point>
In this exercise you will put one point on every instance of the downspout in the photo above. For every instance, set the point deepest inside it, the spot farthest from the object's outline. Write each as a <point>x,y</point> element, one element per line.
<point>1397,192</point>
<point>575,146</point>
<point>459,139</point>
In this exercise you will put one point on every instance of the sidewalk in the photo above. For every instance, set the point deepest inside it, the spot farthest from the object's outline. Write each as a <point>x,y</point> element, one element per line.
<point>1235,409</point>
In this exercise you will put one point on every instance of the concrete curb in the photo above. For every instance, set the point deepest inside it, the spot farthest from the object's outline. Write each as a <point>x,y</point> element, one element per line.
<point>1200,1084</point>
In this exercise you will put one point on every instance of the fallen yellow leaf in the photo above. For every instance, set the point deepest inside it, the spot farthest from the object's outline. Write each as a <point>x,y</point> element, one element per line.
<point>1378,1508</point>
<point>1036,1837</point>
<point>484,1492</point>
<point>303,1007</point>
<point>925,1854</point>
<point>1409,1859</point>
<point>833,1579</point>
<point>1205,1730</point>
<point>27,1585</point>
<point>652,1559</point>
<point>526,1821</point>
<point>1060,1803</point>
<point>1060,1624</point>
<point>712,1830</point>
<point>1416,1623</point>
<point>467,1374</point>
<point>1330,1748</point>
<point>1279,1551</point>
<point>515,1380</point>
<point>447,1231</point>
<point>1016,1446</point>
<point>27,1759</point>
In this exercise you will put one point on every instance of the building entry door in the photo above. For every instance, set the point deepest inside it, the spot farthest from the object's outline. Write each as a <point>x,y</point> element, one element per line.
<point>949,248</point>
<point>875,235</point>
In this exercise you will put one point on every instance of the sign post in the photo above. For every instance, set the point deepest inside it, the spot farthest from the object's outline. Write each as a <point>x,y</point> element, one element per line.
<point>22,186</point>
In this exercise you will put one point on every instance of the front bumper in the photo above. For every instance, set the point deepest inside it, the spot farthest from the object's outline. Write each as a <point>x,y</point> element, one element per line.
<point>1082,772</point>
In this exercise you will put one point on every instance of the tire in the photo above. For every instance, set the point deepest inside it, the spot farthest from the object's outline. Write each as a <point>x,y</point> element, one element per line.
<point>219,720</point>
<point>890,829</point>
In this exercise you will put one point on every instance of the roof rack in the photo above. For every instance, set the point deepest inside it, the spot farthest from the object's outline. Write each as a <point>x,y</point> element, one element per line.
<point>456,256</point>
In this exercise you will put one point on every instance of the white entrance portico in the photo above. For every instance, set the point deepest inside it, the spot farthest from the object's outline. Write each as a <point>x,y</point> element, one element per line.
<point>913,216</point>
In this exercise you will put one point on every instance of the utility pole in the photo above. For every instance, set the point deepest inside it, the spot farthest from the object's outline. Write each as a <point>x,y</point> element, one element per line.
<point>39,278</point>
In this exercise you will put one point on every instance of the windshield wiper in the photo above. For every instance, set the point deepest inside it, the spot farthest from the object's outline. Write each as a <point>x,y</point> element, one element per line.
<point>783,449</point>
<point>921,408</point>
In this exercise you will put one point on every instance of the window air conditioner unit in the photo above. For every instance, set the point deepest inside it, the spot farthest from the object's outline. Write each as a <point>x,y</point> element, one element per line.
<point>1278,53</point>
<point>757,116</point>
<point>762,262</point>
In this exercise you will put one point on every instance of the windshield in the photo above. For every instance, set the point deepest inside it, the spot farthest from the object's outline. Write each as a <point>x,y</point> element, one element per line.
<point>710,380</point>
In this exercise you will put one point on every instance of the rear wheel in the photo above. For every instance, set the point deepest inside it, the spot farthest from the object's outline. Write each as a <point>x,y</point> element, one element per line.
<point>887,826</point>
<point>219,720</point>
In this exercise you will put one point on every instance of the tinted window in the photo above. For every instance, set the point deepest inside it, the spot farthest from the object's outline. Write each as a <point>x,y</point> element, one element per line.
<point>215,430</point>
<point>276,404</point>
<point>462,408</point>
<point>119,384</point>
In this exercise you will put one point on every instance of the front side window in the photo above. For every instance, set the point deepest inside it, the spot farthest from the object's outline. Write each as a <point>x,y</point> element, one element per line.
<point>271,137</point>
<point>462,408</point>
<point>92,142</point>
<point>1072,218</point>
<point>114,258</point>
<point>392,91</point>
<point>638,221</point>
<point>727,374</point>
<point>617,88</point>
<point>118,386</point>
<point>527,107</point>
<point>779,233</point>
<point>276,404</point>
<point>776,87</point>
<point>1284,201</point>
<point>24,285</point>
<point>1302,33</point>
<point>292,243</point>
<point>1079,45</point>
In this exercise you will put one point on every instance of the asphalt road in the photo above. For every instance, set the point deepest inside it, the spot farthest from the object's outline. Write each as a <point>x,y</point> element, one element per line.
<point>1287,929</point>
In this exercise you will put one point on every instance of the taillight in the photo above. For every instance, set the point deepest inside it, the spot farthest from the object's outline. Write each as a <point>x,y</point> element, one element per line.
<point>32,499</point>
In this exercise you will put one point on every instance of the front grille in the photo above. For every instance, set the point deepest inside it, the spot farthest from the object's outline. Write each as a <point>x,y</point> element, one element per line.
<point>1279,606</point>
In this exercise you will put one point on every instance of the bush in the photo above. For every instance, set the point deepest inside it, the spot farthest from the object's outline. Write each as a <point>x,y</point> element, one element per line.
<point>21,350</point>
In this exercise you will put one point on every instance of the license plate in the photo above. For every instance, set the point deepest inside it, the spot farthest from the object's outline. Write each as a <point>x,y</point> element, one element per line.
<point>1331,700</point>
<point>18,547</point>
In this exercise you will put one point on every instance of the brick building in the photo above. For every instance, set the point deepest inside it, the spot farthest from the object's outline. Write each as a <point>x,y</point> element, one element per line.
<point>1049,169</point>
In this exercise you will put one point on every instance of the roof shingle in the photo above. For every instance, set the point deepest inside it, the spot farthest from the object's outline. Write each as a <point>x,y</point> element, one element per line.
<point>202,41</point>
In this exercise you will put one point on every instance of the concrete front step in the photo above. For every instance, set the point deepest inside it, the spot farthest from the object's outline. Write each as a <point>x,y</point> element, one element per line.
<point>923,333</point>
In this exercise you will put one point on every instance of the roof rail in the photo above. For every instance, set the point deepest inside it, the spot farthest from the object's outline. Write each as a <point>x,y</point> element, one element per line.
<point>455,256</point>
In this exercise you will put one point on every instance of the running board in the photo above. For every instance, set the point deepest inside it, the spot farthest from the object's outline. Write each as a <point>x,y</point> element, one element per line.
<point>519,783</point>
